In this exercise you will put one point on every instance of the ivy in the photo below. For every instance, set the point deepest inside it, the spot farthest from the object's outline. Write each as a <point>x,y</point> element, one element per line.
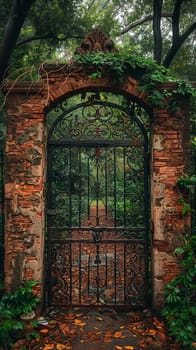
<point>180,297</point>
<point>149,74</point>
<point>187,181</point>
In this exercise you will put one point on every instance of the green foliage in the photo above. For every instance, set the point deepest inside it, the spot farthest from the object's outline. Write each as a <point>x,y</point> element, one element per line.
<point>11,307</point>
<point>180,297</point>
<point>9,331</point>
<point>187,181</point>
<point>22,301</point>
<point>33,334</point>
<point>186,207</point>
<point>120,65</point>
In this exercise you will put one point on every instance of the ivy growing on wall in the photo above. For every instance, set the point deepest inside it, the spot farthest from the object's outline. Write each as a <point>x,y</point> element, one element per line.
<point>149,74</point>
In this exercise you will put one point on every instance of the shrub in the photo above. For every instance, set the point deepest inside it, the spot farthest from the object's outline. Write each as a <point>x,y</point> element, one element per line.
<point>11,307</point>
<point>180,297</point>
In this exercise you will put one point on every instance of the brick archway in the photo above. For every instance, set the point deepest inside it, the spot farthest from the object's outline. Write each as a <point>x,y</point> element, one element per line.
<point>25,176</point>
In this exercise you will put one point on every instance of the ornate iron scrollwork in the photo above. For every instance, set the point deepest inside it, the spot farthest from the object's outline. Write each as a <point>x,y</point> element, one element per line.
<point>97,201</point>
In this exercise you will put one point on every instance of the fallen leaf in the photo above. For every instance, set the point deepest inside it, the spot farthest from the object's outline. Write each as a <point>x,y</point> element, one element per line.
<point>117,347</point>
<point>64,328</point>
<point>77,321</point>
<point>99,318</point>
<point>48,347</point>
<point>107,340</point>
<point>117,334</point>
<point>43,331</point>
<point>129,347</point>
<point>152,331</point>
<point>60,346</point>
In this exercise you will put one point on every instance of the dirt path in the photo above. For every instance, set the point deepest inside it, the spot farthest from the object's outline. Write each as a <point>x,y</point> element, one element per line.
<point>100,329</point>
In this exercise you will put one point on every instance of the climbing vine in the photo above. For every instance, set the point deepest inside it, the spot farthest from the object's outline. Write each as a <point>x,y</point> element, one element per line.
<point>149,74</point>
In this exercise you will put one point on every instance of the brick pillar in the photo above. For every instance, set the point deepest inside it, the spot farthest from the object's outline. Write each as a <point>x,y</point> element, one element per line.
<point>24,187</point>
<point>170,158</point>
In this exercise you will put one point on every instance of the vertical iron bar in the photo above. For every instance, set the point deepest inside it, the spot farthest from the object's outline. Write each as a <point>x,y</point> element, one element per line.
<point>124,180</point>
<point>2,210</point>
<point>106,181</point>
<point>97,277</point>
<point>114,170</point>
<point>70,270</point>
<point>97,186</point>
<point>89,269</point>
<point>80,273</point>
<point>80,187</point>
<point>106,270</point>
<point>70,187</point>
<point>115,265</point>
<point>125,274</point>
<point>88,184</point>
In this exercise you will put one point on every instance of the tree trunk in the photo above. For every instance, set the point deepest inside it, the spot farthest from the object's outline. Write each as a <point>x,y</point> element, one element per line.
<point>18,13</point>
<point>157,10</point>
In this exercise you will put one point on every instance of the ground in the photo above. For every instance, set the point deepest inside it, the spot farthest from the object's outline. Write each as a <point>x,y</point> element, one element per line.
<point>96,329</point>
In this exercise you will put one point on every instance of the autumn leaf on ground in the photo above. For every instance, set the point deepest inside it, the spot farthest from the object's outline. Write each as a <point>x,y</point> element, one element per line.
<point>60,346</point>
<point>129,347</point>
<point>118,347</point>
<point>77,321</point>
<point>117,334</point>
<point>64,328</point>
<point>151,331</point>
<point>44,331</point>
<point>107,340</point>
<point>48,347</point>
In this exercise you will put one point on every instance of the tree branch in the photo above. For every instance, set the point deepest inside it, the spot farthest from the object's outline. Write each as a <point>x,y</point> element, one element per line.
<point>47,36</point>
<point>178,43</point>
<point>17,15</point>
<point>157,9</point>
<point>142,20</point>
<point>176,19</point>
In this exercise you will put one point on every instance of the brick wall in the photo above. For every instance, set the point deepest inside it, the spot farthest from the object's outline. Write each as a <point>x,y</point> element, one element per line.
<point>27,103</point>
<point>170,159</point>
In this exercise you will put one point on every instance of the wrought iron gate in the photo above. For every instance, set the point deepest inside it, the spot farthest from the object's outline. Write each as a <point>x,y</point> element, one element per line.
<point>97,205</point>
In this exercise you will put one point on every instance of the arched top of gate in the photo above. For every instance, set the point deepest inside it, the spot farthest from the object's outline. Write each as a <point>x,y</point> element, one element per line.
<point>64,80</point>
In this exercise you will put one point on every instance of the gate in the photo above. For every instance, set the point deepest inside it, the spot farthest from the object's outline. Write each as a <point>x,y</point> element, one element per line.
<point>97,202</point>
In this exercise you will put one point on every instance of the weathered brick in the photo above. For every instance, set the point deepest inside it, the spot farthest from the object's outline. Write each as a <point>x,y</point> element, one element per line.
<point>27,105</point>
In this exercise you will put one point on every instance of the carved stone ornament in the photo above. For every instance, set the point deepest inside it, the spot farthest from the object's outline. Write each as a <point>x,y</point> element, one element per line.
<point>94,42</point>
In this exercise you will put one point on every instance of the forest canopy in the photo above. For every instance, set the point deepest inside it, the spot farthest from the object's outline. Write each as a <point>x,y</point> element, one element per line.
<point>32,32</point>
